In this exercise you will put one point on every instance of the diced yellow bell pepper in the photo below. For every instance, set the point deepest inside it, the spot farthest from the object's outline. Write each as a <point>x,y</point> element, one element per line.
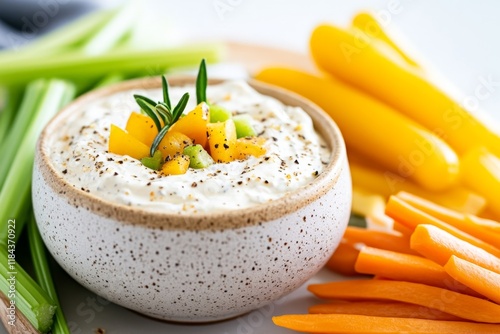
<point>177,165</point>
<point>174,143</point>
<point>141,127</point>
<point>222,141</point>
<point>122,143</point>
<point>249,146</point>
<point>194,124</point>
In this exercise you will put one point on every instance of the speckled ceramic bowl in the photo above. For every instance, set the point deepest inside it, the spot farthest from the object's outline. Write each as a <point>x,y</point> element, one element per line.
<point>201,267</point>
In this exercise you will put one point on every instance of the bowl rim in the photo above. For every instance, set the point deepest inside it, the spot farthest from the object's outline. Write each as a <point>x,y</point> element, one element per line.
<point>235,218</point>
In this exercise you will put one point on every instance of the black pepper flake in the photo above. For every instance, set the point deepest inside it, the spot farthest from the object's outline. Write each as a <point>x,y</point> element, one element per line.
<point>226,146</point>
<point>120,162</point>
<point>148,184</point>
<point>274,138</point>
<point>266,182</point>
<point>316,173</point>
<point>240,182</point>
<point>194,184</point>
<point>216,145</point>
<point>65,171</point>
<point>296,161</point>
<point>116,173</point>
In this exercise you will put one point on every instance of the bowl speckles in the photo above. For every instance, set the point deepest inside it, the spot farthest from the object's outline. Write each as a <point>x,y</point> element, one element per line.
<point>201,267</point>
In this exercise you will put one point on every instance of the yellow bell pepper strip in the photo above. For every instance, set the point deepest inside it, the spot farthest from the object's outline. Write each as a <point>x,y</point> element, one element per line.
<point>360,63</point>
<point>385,183</point>
<point>368,24</point>
<point>375,129</point>
<point>371,206</point>
<point>481,172</point>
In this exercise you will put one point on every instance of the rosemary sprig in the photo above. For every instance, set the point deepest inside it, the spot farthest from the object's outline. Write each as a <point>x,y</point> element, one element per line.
<point>176,114</point>
<point>166,97</point>
<point>201,83</point>
<point>148,108</point>
<point>162,112</point>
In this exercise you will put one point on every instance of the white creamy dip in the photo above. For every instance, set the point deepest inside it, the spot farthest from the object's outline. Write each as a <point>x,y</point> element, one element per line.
<point>295,155</point>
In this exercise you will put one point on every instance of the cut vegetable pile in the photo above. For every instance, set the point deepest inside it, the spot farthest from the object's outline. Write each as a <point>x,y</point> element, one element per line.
<point>402,132</point>
<point>434,275</point>
<point>92,52</point>
<point>426,203</point>
<point>165,139</point>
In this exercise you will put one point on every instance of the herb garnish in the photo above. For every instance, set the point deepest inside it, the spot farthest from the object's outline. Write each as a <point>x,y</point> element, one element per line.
<point>201,83</point>
<point>162,112</point>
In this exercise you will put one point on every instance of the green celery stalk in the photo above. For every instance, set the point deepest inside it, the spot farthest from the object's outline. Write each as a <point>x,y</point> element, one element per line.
<point>18,180</point>
<point>22,120</point>
<point>109,80</point>
<point>30,299</point>
<point>112,33</point>
<point>83,68</point>
<point>66,38</point>
<point>8,113</point>
<point>43,276</point>
<point>102,82</point>
<point>22,212</point>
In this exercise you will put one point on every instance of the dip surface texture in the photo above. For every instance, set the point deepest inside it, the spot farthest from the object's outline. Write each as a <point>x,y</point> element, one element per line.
<point>295,155</point>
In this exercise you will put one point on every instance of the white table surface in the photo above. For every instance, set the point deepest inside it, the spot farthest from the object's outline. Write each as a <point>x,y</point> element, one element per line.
<point>459,39</point>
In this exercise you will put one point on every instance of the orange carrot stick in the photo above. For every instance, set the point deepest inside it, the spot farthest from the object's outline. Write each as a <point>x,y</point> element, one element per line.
<point>460,305</point>
<point>401,228</point>
<point>482,280</point>
<point>343,259</point>
<point>438,246</point>
<point>489,224</point>
<point>355,324</point>
<point>408,268</point>
<point>383,309</point>
<point>451,217</point>
<point>410,216</point>
<point>378,239</point>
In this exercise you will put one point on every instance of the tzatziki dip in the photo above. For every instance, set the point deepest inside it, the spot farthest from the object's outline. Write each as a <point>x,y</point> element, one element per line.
<point>294,155</point>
